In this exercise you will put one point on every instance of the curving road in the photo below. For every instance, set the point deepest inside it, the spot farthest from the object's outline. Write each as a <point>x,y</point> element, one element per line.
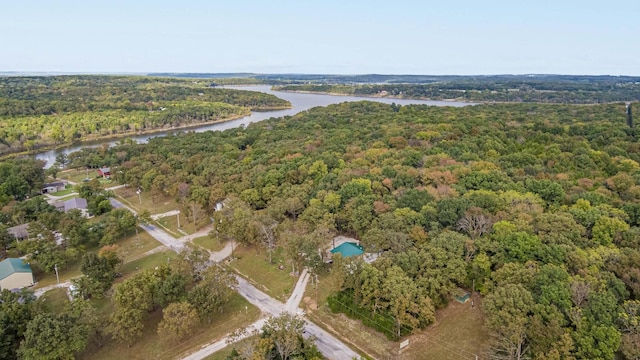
<point>329,346</point>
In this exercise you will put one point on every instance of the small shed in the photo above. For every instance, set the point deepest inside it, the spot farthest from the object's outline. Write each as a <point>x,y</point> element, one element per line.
<point>104,172</point>
<point>461,296</point>
<point>15,274</point>
<point>348,249</point>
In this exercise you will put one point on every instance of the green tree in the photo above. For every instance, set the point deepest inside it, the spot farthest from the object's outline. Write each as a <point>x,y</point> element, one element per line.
<point>507,312</point>
<point>178,321</point>
<point>50,336</point>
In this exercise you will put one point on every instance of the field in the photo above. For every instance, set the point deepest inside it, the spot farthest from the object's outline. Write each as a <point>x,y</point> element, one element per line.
<point>209,243</point>
<point>266,277</point>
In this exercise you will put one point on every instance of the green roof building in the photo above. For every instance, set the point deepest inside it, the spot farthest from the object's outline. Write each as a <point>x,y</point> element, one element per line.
<point>15,274</point>
<point>348,249</point>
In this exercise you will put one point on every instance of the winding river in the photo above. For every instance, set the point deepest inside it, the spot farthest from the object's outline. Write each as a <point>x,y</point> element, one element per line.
<point>299,102</point>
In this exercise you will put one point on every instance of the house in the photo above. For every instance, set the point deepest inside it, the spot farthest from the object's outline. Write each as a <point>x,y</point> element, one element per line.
<point>19,232</point>
<point>75,203</point>
<point>105,172</point>
<point>53,187</point>
<point>15,274</point>
<point>348,249</point>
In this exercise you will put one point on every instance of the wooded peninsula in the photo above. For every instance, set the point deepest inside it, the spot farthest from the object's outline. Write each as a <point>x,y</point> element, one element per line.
<point>45,112</point>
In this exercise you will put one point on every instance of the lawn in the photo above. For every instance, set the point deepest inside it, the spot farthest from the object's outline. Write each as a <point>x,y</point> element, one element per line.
<point>55,299</point>
<point>147,262</point>
<point>458,333</point>
<point>77,175</point>
<point>134,245</point>
<point>151,346</point>
<point>209,243</point>
<point>46,279</point>
<point>266,277</point>
<point>131,247</point>
<point>154,204</point>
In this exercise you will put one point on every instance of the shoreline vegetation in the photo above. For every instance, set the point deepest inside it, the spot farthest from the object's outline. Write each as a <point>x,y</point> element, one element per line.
<point>372,96</point>
<point>45,113</point>
<point>100,139</point>
<point>488,90</point>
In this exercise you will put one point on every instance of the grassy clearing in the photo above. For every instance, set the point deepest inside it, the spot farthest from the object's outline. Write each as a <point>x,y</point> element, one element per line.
<point>147,262</point>
<point>131,247</point>
<point>458,333</point>
<point>267,277</point>
<point>151,346</point>
<point>77,175</point>
<point>171,223</point>
<point>134,245</point>
<point>55,299</point>
<point>209,243</point>
<point>153,204</point>
<point>46,279</point>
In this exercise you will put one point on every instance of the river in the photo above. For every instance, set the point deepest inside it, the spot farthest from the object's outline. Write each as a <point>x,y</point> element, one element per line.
<point>299,102</point>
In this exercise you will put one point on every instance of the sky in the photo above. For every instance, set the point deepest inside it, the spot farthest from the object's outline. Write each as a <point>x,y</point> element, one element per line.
<point>462,37</point>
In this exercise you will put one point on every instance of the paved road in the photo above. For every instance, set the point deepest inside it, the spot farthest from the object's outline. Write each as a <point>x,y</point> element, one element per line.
<point>168,213</point>
<point>330,346</point>
<point>298,292</point>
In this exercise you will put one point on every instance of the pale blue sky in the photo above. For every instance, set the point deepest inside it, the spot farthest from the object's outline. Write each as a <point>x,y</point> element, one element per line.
<point>328,36</point>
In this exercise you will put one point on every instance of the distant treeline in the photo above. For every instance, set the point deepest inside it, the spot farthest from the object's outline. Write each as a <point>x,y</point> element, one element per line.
<point>38,112</point>
<point>489,90</point>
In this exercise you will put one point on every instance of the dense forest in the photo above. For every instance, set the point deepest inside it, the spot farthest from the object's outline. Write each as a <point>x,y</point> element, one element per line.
<point>495,89</point>
<point>40,112</point>
<point>537,205</point>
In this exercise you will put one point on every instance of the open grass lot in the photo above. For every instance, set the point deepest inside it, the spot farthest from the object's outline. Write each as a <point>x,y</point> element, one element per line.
<point>134,245</point>
<point>155,205</point>
<point>186,227</point>
<point>147,262</point>
<point>131,247</point>
<point>151,346</point>
<point>77,175</point>
<point>46,279</point>
<point>55,299</point>
<point>266,277</point>
<point>209,243</point>
<point>458,333</point>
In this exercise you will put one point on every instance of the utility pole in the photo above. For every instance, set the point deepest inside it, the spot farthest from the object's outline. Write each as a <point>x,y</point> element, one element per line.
<point>55,267</point>
<point>178,217</point>
<point>139,197</point>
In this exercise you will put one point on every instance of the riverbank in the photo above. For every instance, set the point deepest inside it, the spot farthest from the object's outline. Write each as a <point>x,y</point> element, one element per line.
<point>100,139</point>
<point>372,96</point>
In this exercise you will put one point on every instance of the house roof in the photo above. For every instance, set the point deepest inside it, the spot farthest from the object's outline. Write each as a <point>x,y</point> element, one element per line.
<point>348,249</point>
<point>19,232</point>
<point>104,170</point>
<point>11,266</point>
<point>75,203</point>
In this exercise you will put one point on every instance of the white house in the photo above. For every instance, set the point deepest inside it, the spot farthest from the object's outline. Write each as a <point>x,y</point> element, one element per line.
<point>15,274</point>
